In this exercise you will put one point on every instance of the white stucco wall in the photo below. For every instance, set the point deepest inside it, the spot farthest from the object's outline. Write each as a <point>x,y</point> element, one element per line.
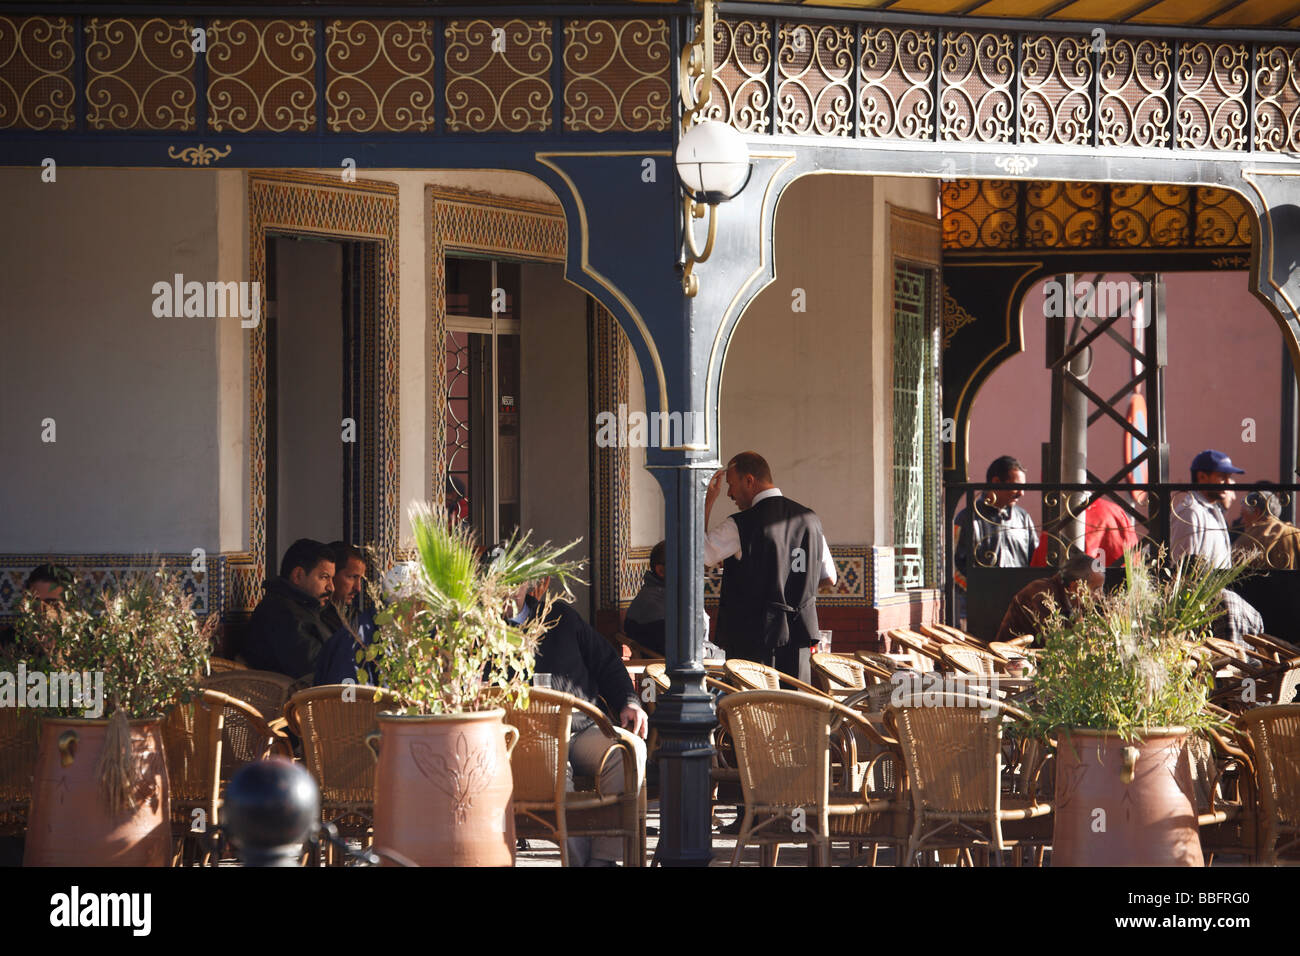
<point>135,467</point>
<point>810,390</point>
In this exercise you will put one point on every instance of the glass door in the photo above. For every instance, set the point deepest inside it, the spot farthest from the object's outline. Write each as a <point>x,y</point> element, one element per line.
<point>482,399</point>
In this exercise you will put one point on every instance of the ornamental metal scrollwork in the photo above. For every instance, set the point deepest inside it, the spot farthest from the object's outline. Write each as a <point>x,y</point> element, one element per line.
<point>261,75</point>
<point>814,69</point>
<point>498,75</point>
<point>977,71</point>
<point>379,75</point>
<point>138,74</point>
<point>741,92</point>
<point>1133,109</point>
<point>616,75</point>
<point>36,69</point>
<point>1277,99</point>
<point>1055,90</point>
<point>895,84</point>
<point>1212,86</point>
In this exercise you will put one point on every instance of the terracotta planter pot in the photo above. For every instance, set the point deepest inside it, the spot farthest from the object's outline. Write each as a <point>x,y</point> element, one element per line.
<point>70,822</point>
<point>1145,791</point>
<point>443,788</point>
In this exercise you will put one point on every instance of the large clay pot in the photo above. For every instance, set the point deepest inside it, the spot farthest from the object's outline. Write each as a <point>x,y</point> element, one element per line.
<point>71,823</point>
<point>443,788</point>
<point>1145,791</point>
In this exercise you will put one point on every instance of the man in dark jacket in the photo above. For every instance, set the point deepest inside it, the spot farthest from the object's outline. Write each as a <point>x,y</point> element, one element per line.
<point>774,556</point>
<point>350,620</point>
<point>575,659</point>
<point>644,622</point>
<point>286,632</point>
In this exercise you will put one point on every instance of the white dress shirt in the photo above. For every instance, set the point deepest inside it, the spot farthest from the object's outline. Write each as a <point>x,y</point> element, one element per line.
<point>724,541</point>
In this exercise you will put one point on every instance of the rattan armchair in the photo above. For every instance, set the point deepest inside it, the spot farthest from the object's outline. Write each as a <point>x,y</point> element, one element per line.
<point>953,755</point>
<point>267,691</point>
<point>841,675</point>
<point>544,807</point>
<point>783,743</point>
<point>192,746</point>
<point>924,649</point>
<point>750,675</point>
<point>1274,734</point>
<point>19,732</point>
<point>333,721</point>
<point>222,665</point>
<point>1223,783</point>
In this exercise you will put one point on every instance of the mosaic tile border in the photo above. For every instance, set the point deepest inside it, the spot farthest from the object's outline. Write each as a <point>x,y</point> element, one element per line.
<point>318,205</point>
<point>209,588</point>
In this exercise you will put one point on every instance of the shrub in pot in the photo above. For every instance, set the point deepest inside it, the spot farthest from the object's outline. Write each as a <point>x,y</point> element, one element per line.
<point>443,645</point>
<point>100,790</point>
<point>1121,688</point>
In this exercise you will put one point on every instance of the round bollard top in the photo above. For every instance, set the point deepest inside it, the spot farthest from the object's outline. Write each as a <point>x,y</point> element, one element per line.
<point>271,803</point>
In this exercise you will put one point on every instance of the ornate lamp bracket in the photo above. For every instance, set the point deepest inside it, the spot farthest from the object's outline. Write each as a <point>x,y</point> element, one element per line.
<point>696,86</point>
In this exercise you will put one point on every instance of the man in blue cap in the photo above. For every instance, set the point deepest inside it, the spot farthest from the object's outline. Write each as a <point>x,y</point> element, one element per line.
<point>1198,523</point>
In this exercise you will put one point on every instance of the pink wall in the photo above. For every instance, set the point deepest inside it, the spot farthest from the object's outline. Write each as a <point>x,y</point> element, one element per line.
<point>1225,358</point>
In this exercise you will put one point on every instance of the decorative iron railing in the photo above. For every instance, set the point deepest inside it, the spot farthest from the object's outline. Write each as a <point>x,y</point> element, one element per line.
<point>1063,520</point>
<point>958,84</point>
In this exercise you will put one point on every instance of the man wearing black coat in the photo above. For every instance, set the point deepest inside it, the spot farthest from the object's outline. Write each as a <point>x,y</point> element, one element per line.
<point>286,632</point>
<point>578,661</point>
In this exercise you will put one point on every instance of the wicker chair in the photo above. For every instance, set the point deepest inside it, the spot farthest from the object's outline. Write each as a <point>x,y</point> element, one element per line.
<point>333,721</point>
<point>925,650</point>
<point>222,665</point>
<point>192,745</point>
<point>841,675</point>
<point>19,735</point>
<point>1274,734</point>
<point>1287,688</point>
<point>971,660</point>
<point>953,755</point>
<point>1223,782</point>
<point>783,745</point>
<point>544,808</point>
<point>267,691</point>
<point>750,675</point>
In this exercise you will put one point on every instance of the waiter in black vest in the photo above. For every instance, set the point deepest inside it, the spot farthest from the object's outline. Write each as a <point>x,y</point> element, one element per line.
<point>774,556</point>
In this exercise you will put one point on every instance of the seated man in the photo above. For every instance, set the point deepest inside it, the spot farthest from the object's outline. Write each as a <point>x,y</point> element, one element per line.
<point>287,632</point>
<point>1065,588</point>
<point>644,622</point>
<point>347,616</point>
<point>581,662</point>
<point>1266,539</point>
<point>45,583</point>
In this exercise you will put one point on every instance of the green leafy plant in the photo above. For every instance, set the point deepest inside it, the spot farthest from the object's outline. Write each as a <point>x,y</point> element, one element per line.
<point>140,631</point>
<point>443,643</point>
<point>1128,660</point>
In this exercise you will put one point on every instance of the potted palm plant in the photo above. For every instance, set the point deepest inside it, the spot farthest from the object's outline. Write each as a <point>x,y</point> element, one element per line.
<point>102,668</point>
<point>445,648</point>
<point>1121,687</point>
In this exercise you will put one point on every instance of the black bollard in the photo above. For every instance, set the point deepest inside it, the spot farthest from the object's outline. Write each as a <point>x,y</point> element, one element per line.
<point>271,806</point>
